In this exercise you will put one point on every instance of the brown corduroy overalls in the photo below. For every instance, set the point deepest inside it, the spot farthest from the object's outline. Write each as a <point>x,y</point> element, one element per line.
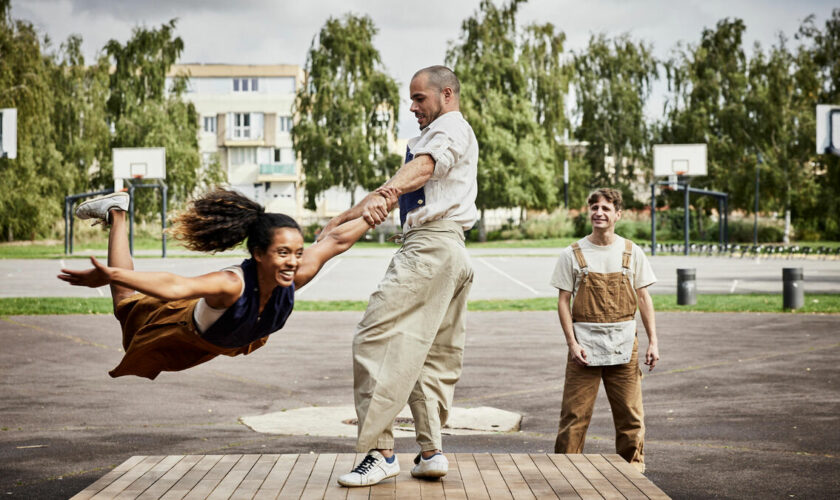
<point>604,298</point>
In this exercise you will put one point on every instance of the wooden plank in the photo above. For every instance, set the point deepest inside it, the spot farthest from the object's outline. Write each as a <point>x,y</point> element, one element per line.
<point>192,477</point>
<point>211,478</point>
<point>637,478</point>
<point>361,492</point>
<point>558,483</point>
<point>510,473</point>
<point>387,489</point>
<point>616,478</point>
<point>225,488</point>
<point>581,485</point>
<point>162,485</point>
<point>252,482</point>
<point>532,475</point>
<point>405,486</point>
<point>594,477</point>
<point>298,477</point>
<point>275,480</point>
<point>453,485</point>
<point>149,478</point>
<point>316,487</point>
<point>430,488</point>
<point>131,475</point>
<point>493,480</point>
<point>108,478</point>
<point>223,478</point>
<point>344,463</point>
<point>474,486</point>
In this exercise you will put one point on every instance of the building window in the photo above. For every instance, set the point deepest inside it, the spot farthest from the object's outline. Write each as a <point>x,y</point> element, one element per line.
<point>241,125</point>
<point>242,156</point>
<point>246,84</point>
<point>210,124</point>
<point>284,155</point>
<point>284,123</point>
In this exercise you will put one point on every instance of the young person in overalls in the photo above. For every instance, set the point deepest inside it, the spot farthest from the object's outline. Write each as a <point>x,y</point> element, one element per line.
<point>608,277</point>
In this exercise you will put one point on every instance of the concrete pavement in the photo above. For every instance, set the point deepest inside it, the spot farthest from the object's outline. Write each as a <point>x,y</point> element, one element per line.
<point>741,405</point>
<point>500,273</point>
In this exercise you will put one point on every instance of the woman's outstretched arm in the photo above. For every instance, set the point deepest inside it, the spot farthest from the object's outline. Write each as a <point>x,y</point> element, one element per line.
<point>338,240</point>
<point>220,288</point>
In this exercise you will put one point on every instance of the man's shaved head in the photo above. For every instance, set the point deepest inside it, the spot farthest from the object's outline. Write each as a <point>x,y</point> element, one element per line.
<point>440,77</point>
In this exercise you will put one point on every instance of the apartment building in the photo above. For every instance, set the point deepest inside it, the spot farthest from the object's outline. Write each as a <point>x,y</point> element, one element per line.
<point>246,119</point>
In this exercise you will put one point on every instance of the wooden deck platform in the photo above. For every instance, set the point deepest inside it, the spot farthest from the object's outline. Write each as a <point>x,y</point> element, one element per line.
<point>471,476</point>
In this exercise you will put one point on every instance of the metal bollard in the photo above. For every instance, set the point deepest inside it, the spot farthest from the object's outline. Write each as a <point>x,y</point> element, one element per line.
<point>686,287</point>
<point>794,292</point>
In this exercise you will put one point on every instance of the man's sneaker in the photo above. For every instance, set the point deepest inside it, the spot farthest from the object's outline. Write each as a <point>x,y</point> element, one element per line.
<point>98,207</point>
<point>371,470</point>
<point>435,466</point>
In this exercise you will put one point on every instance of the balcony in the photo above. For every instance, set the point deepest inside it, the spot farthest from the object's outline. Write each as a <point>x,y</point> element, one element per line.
<point>277,172</point>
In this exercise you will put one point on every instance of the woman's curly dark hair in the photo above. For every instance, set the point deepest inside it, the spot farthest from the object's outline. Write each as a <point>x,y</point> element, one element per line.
<point>221,219</point>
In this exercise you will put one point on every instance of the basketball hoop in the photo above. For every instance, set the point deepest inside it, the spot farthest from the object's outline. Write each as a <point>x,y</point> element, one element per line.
<point>673,180</point>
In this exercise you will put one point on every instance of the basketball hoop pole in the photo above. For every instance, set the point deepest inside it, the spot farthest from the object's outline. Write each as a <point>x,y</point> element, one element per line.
<point>687,220</point>
<point>653,218</point>
<point>163,191</point>
<point>755,223</point>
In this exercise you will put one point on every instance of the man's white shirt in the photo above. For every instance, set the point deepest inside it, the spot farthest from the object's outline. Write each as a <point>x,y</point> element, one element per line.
<point>451,191</point>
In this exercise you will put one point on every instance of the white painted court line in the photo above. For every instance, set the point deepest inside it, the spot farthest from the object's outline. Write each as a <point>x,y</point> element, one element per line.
<point>63,265</point>
<point>506,275</point>
<point>734,284</point>
<point>321,274</point>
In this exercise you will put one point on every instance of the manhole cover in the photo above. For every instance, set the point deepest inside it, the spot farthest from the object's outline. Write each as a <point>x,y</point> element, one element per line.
<point>397,421</point>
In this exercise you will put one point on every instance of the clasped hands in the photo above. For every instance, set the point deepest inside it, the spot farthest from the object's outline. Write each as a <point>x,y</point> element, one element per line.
<point>376,205</point>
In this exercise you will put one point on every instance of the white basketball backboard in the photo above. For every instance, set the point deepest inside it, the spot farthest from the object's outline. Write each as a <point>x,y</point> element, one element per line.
<point>139,163</point>
<point>828,129</point>
<point>679,159</point>
<point>8,133</point>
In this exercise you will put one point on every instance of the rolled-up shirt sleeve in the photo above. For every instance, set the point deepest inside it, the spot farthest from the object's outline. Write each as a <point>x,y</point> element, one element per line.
<point>443,146</point>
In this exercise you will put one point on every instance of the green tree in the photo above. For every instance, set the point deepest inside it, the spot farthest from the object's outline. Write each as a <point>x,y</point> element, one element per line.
<point>32,185</point>
<point>549,77</point>
<point>346,110</point>
<point>709,85</point>
<point>144,113</point>
<point>79,115</point>
<point>612,83</point>
<point>820,74</point>
<point>505,97</point>
<point>781,112</point>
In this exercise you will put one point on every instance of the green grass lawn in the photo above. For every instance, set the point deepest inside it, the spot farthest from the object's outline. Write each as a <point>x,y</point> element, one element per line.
<point>814,303</point>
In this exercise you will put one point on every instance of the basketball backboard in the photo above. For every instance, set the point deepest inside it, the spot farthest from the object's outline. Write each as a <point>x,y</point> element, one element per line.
<point>139,163</point>
<point>828,129</point>
<point>687,160</point>
<point>8,133</point>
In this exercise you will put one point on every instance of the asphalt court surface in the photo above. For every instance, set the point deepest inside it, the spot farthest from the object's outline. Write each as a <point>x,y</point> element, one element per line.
<point>741,405</point>
<point>499,274</point>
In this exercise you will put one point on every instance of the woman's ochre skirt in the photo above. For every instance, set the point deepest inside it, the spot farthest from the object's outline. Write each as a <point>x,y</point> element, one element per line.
<point>161,336</point>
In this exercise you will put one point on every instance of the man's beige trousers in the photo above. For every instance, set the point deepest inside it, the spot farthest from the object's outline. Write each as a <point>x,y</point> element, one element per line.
<point>409,345</point>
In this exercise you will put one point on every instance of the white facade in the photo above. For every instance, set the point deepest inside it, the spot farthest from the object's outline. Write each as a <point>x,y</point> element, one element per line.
<point>245,116</point>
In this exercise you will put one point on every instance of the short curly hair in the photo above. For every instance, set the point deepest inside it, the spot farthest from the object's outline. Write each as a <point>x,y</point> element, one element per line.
<point>609,194</point>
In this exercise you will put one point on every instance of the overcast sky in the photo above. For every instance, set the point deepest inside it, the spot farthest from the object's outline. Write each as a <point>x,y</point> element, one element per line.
<point>412,34</point>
